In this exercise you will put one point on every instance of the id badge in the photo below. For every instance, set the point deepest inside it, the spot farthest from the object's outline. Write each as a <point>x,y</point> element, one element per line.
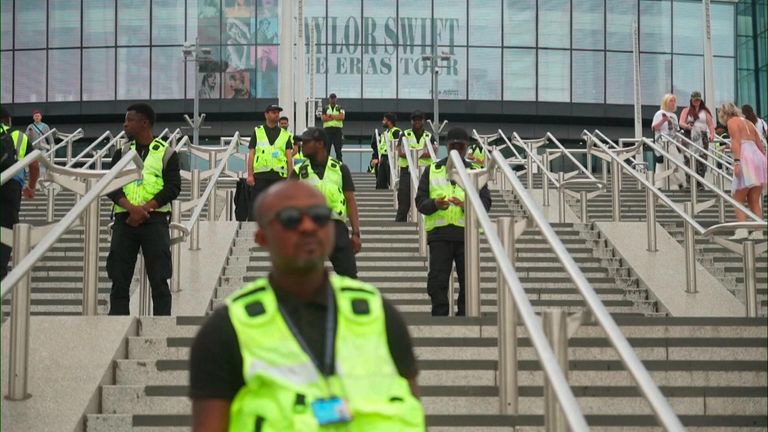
<point>275,154</point>
<point>331,411</point>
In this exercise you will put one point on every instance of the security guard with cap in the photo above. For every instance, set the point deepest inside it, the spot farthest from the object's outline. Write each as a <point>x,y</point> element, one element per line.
<point>415,138</point>
<point>380,159</point>
<point>12,191</point>
<point>270,155</point>
<point>333,179</point>
<point>333,122</point>
<point>442,201</point>
<point>300,350</point>
<point>142,215</point>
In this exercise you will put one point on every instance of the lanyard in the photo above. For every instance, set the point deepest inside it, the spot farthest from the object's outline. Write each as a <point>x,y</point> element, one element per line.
<point>330,335</point>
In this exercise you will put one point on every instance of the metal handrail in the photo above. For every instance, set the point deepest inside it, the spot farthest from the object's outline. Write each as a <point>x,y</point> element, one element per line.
<point>14,169</point>
<point>203,199</point>
<point>533,157</point>
<point>702,149</point>
<point>70,138</point>
<point>661,408</point>
<point>510,146</point>
<point>100,154</point>
<point>26,264</point>
<point>41,141</point>
<point>704,182</point>
<point>416,216</point>
<point>90,147</point>
<point>549,363</point>
<point>579,166</point>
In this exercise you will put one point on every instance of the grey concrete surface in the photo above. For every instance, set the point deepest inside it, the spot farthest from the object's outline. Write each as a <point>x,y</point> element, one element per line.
<point>70,357</point>
<point>663,272</point>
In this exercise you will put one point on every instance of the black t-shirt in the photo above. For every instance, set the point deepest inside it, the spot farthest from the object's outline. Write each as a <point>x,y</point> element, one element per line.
<point>272,135</point>
<point>216,365</point>
<point>347,185</point>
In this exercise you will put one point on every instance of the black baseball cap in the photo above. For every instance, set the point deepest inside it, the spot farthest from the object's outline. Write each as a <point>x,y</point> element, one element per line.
<point>332,96</point>
<point>314,134</point>
<point>391,117</point>
<point>457,134</point>
<point>272,107</point>
<point>417,114</point>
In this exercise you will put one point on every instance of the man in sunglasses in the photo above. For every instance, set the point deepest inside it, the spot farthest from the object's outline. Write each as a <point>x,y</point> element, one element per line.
<point>333,179</point>
<point>442,201</point>
<point>300,349</point>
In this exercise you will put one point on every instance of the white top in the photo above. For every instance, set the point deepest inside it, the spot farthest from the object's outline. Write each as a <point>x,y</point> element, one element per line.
<point>665,128</point>
<point>762,127</point>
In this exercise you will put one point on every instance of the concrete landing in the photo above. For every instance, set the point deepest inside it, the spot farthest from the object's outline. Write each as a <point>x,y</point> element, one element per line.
<point>69,358</point>
<point>663,272</point>
<point>200,269</point>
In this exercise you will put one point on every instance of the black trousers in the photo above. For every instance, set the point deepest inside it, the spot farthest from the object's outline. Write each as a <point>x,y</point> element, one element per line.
<point>343,257</point>
<point>260,186</point>
<point>442,254</point>
<point>382,172</point>
<point>403,196</point>
<point>334,139</point>
<point>10,205</point>
<point>155,242</point>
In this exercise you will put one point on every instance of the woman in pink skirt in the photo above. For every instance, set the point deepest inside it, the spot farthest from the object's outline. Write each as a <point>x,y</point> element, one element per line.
<point>749,165</point>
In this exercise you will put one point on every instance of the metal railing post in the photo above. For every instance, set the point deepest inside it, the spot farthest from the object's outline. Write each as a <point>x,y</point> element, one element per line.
<point>50,202</point>
<point>616,190</point>
<point>91,253</point>
<point>693,183</point>
<point>529,166</point>
<point>472,256</point>
<point>194,235</point>
<point>690,253</point>
<point>507,326</point>
<point>545,180</point>
<point>583,206</point>
<point>176,249</point>
<point>69,151</point>
<point>229,205</point>
<point>18,362</point>
<point>604,171</point>
<point>561,197</point>
<point>554,322</point>
<point>589,157</point>
<point>750,285</point>
<point>721,200</point>
<point>650,215</point>
<point>212,196</point>
<point>665,165</point>
<point>145,299</point>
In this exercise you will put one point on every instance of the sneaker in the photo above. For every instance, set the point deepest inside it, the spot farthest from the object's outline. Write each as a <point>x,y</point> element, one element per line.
<point>740,234</point>
<point>756,235</point>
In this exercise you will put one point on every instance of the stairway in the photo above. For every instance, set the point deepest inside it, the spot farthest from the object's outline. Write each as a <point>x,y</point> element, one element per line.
<point>713,370</point>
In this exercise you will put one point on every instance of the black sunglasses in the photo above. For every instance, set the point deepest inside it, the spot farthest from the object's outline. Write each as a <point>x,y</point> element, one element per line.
<point>290,217</point>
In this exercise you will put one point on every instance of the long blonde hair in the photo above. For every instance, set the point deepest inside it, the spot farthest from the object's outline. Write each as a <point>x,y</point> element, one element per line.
<point>665,100</point>
<point>726,111</point>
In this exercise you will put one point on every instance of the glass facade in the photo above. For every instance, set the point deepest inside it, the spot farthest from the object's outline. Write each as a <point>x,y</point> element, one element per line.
<point>565,51</point>
<point>752,54</point>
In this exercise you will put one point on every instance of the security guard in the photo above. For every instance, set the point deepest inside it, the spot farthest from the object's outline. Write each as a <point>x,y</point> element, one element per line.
<point>333,179</point>
<point>476,153</point>
<point>270,157</point>
<point>442,201</point>
<point>299,350</point>
<point>391,133</point>
<point>415,138</point>
<point>142,214</point>
<point>333,122</point>
<point>13,189</point>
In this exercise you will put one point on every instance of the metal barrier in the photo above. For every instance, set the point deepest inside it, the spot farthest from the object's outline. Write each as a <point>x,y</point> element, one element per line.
<point>564,181</point>
<point>556,324</point>
<point>686,215</point>
<point>25,236</point>
<point>98,157</point>
<point>555,376</point>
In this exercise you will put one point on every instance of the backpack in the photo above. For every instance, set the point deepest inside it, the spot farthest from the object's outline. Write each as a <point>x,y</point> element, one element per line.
<point>8,153</point>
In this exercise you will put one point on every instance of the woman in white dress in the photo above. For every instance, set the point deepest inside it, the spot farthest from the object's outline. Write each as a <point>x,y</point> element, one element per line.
<point>665,123</point>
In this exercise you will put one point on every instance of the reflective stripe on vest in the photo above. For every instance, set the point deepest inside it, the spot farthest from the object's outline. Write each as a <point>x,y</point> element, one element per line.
<point>329,110</point>
<point>330,186</point>
<point>409,138</point>
<point>282,382</point>
<point>270,157</point>
<point>440,186</point>
<point>143,190</point>
<point>388,135</point>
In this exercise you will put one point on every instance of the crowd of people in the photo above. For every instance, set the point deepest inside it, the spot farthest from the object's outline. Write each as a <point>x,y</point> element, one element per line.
<point>747,135</point>
<point>301,348</point>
